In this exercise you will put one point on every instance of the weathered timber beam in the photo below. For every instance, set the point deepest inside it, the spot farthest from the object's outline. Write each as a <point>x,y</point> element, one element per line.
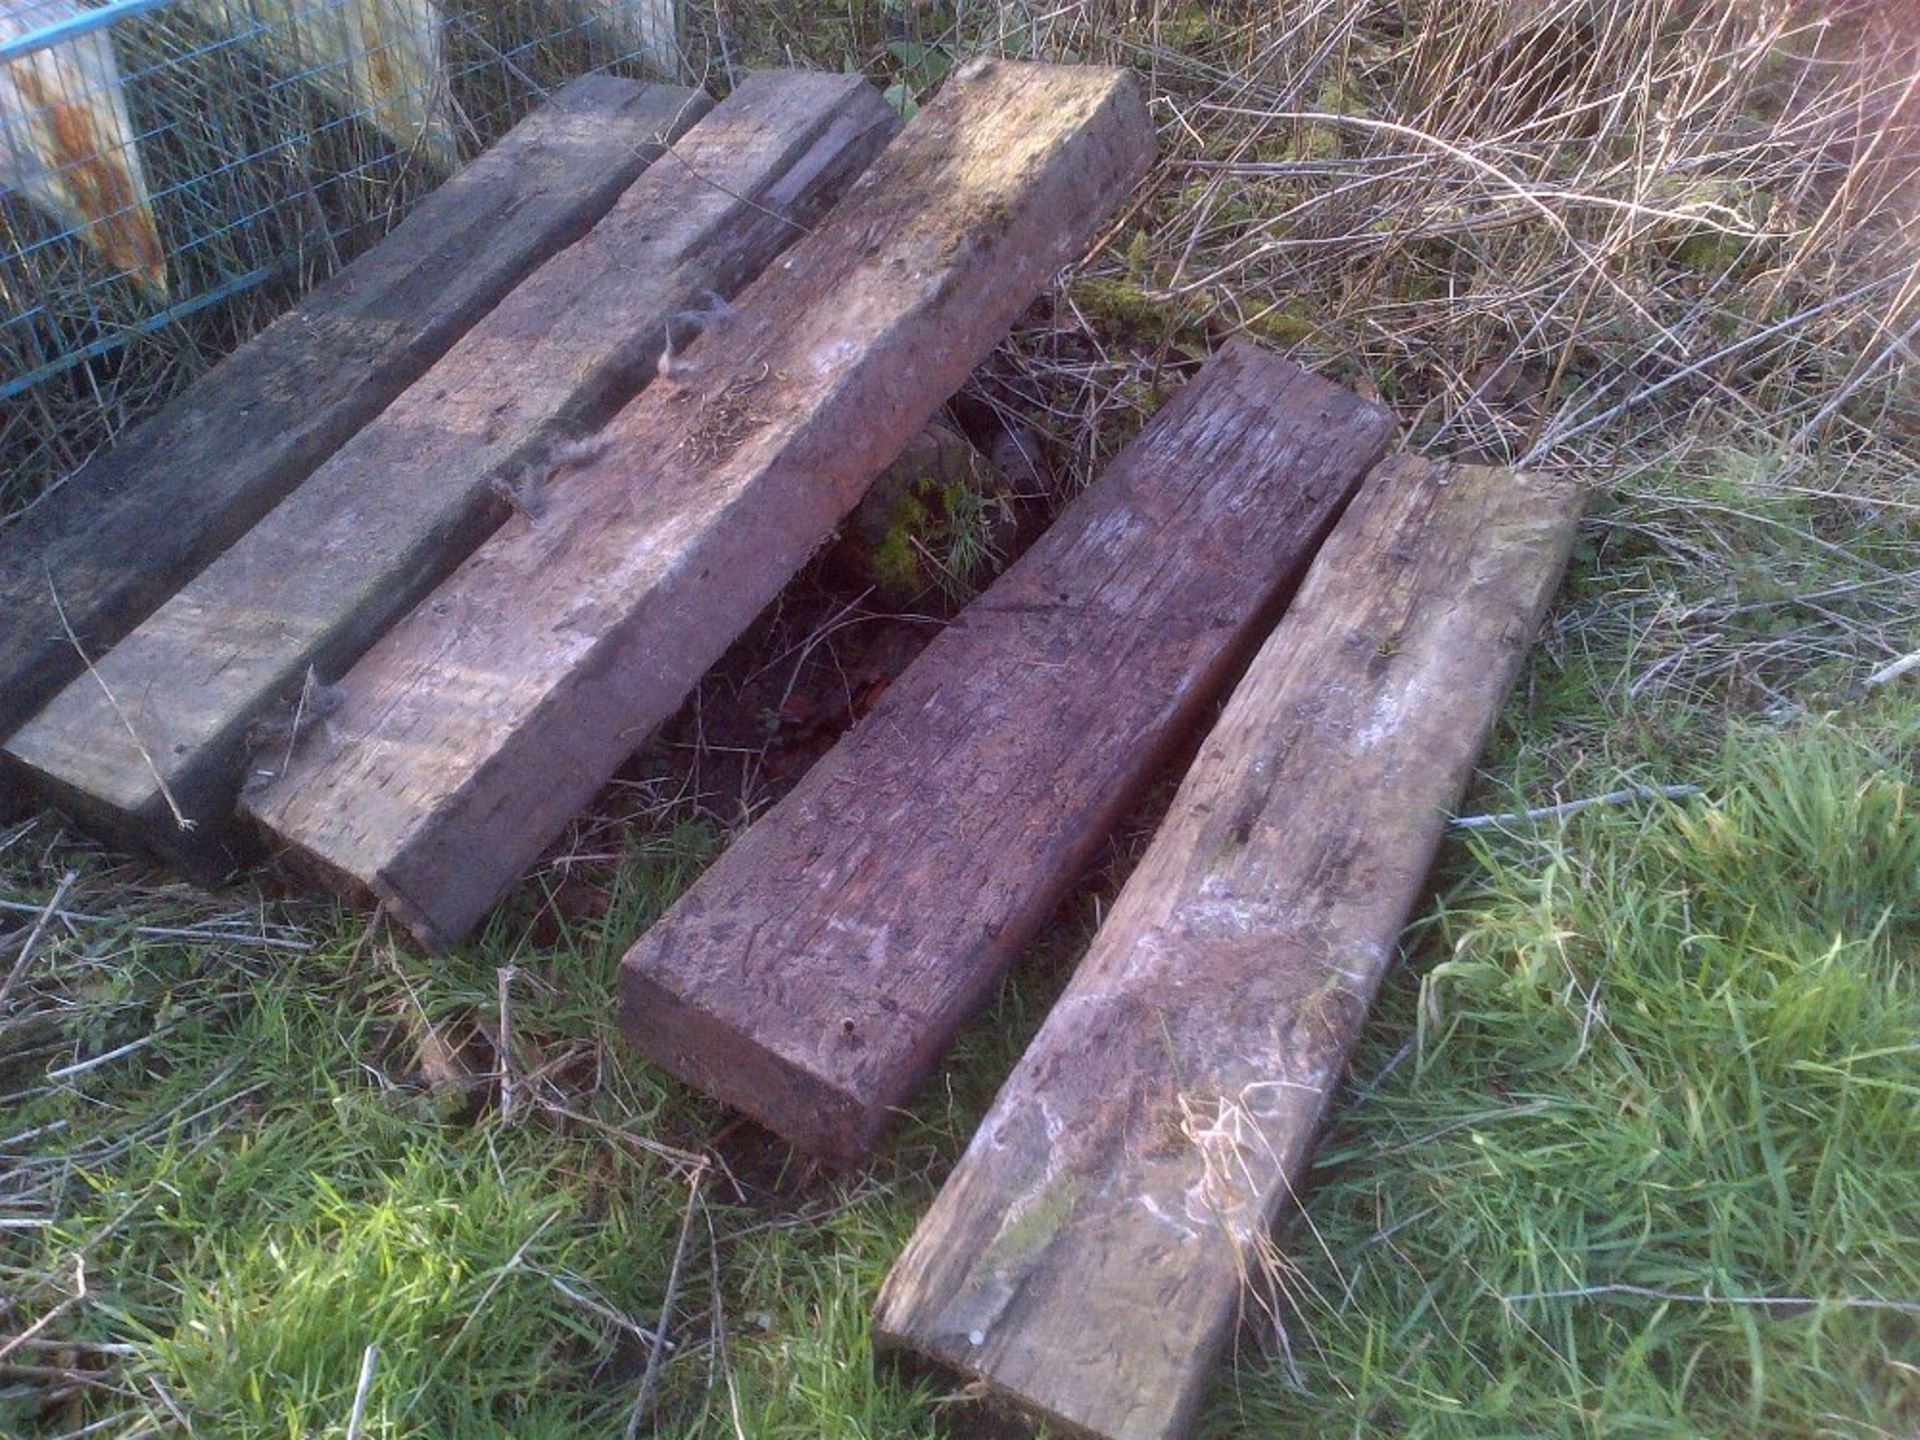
<point>474,731</point>
<point>1087,1257</point>
<point>165,720</point>
<point>816,973</point>
<point>134,525</point>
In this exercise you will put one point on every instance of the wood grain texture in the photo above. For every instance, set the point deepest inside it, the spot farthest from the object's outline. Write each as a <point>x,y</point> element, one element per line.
<point>410,496</point>
<point>1086,1258</point>
<point>815,974</point>
<point>480,725</point>
<point>134,525</point>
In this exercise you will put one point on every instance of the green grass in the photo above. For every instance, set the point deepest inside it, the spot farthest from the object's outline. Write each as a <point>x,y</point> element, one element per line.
<point>1649,1165</point>
<point>1631,1143</point>
<point>351,1202</point>
<point>1638,1153</point>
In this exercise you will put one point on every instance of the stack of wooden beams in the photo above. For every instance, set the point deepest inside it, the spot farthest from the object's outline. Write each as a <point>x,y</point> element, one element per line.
<point>1086,1260</point>
<point>402,584</point>
<point>474,730</point>
<point>585,543</point>
<point>92,560</point>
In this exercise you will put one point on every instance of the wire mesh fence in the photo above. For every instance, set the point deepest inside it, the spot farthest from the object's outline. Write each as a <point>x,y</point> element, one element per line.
<point>174,172</point>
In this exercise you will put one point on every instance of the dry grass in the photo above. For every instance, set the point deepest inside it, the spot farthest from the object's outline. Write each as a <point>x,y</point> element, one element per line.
<point>1669,248</point>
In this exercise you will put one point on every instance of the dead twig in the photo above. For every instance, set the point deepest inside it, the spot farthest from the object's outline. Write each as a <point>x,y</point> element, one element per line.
<point>1574,807</point>
<point>73,1301</point>
<point>27,948</point>
<point>608,1313</point>
<point>685,1158</point>
<point>169,932</point>
<point>1707,1297</point>
<point>180,1416</point>
<point>166,793</point>
<point>644,1397</point>
<point>1886,674</point>
<point>360,1391</point>
<point>505,974</point>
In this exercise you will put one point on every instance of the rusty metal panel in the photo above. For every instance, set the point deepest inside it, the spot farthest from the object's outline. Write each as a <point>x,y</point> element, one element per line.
<point>379,59</point>
<point>68,146</point>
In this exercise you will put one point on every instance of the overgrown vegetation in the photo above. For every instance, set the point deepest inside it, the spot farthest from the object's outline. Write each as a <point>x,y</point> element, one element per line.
<point>1631,1146</point>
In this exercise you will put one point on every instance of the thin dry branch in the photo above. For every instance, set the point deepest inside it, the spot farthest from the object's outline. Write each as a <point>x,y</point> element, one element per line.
<point>179,818</point>
<point>27,946</point>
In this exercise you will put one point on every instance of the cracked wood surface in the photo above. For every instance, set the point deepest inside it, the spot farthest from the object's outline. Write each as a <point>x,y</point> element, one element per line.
<point>813,977</point>
<point>480,725</point>
<point>409,497</point>
<point>135,524</point>
<point>1088,1255</point>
